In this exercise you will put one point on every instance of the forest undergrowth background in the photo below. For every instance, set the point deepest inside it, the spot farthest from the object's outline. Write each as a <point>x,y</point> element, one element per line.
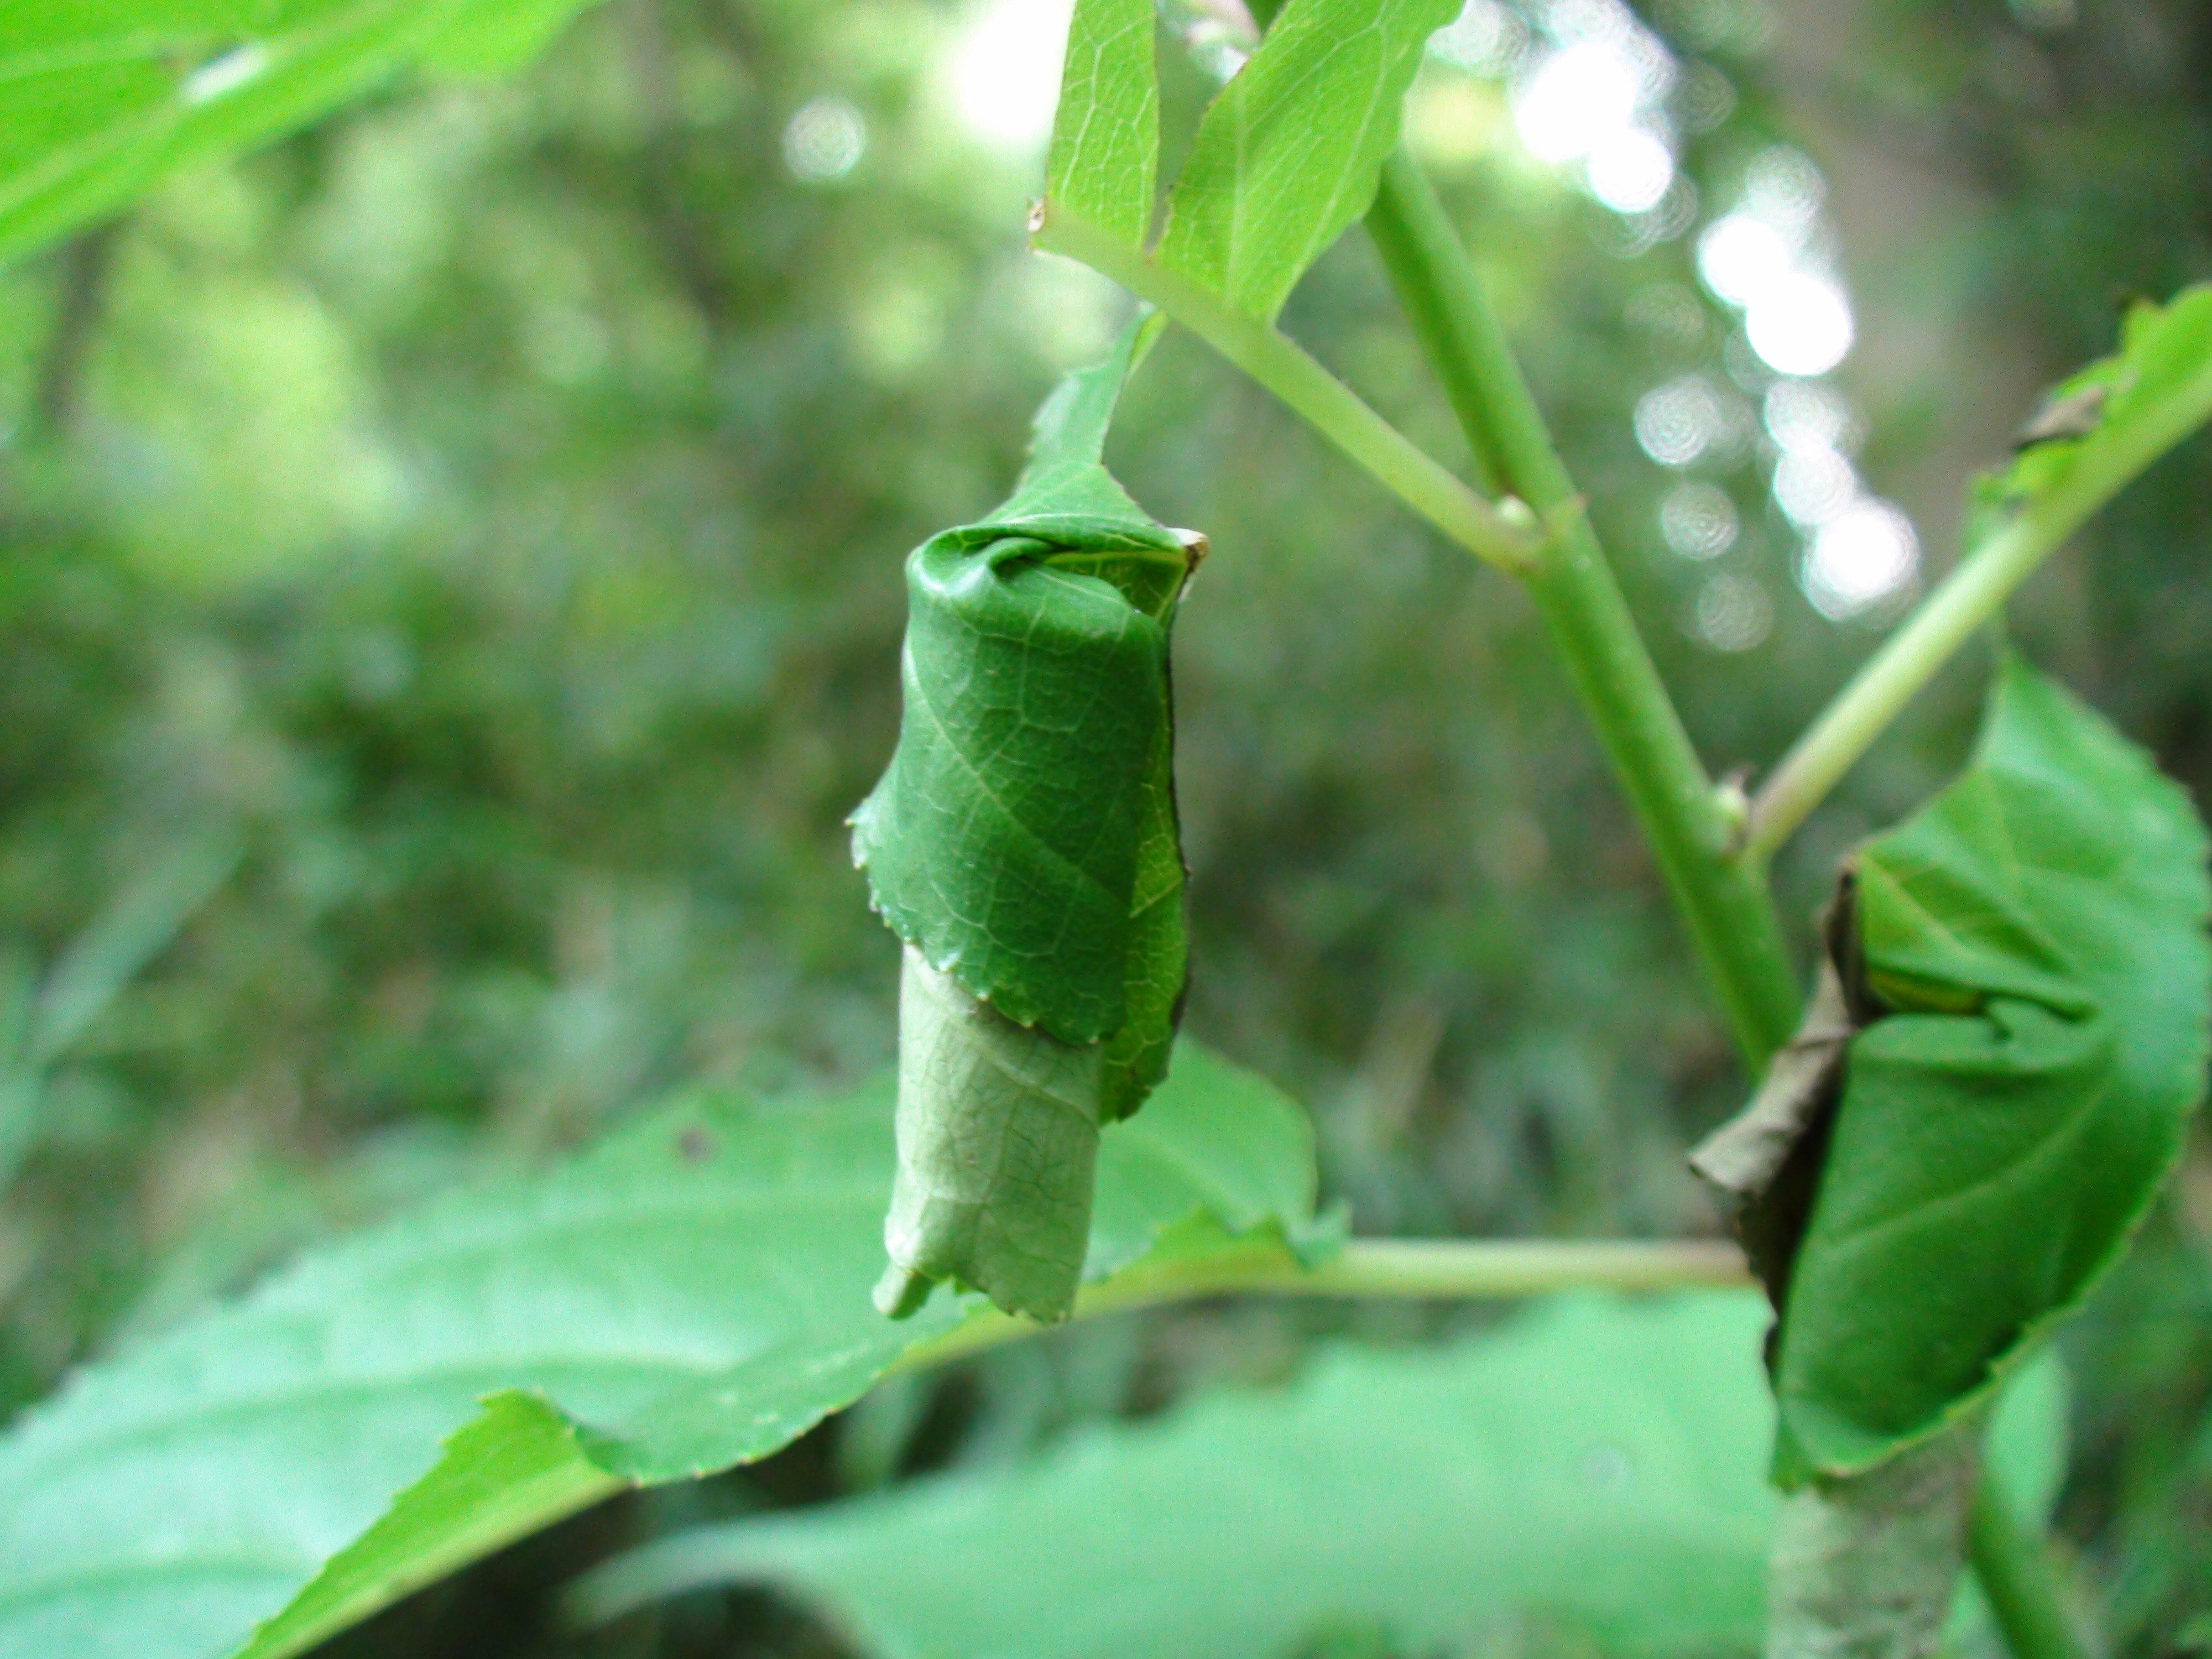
<point>450,602</point>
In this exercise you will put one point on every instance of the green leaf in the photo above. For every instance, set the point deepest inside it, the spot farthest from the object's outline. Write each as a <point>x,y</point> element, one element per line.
<point>2135,403</point>
<point>1023,843</point>
<point>1004,839</point>
<point>1106,133</point>
<point>2036,936</point>
<point>487,41</point>
<point>694,1293</point>
<point>1598,1462</point>
<point>1289,152</point>
<point>100,101</point>
<point>998,1131</point>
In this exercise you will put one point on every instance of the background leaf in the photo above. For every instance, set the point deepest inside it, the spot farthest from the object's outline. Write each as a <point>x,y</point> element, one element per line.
<point>1106,132</point>
<point>1288,153</point>
<point>98,101</point>
<point>40,1023</point>
<point>2037,934</point>
<point>1597,1464</point>
<point>695,1291</point>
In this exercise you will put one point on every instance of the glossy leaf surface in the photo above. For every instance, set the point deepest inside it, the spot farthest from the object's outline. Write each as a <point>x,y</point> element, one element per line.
<point>692,1294</point>
<point>2036,938</point>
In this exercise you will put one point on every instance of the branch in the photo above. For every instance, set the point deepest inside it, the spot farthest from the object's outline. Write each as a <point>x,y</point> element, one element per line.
<point>1969,596</point>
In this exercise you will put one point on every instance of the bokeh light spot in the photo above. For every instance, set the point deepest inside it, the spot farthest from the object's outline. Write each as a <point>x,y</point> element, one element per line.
<point>1630,170</point>
<point>1732,613</point>
<point>1580,98</point>
<point>1800,325</point>
<point>1807,415</point>
<point>1865,556</point>
<point>1741,258</point>
<point>1485,39</point>
<point>1698,520</point>
<point>1784,188</point>
<point>1815,486</point>
<point>1677,421</point>
<point>825,139</point>
<point>1005,72</point>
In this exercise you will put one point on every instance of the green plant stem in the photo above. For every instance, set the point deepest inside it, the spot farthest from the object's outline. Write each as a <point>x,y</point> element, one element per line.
<point>1722,898</point>
<point>1726,906</point>
<point>1422,1269</point>
<point>1326,404</point>
<point>1969,596</point>
<point>2017,1577</point>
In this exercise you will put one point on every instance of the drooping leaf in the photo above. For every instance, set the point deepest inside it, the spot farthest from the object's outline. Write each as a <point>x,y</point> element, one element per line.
<point>998,1131</point>
<point>1288,154</point>
<point>2035,940</point>
<point>1597,1463</point>
<point>692,1294</point>
<point>99,102</point>
<point>1106,133</point>
<point>1023,843</point>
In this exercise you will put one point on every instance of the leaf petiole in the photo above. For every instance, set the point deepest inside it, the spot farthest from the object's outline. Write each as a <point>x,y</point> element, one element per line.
<point>1393,1268</point>
<point>1969,596</point>
<point>1324,402</point>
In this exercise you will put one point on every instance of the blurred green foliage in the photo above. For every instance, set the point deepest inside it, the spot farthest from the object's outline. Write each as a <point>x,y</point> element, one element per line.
<point>449,599</point>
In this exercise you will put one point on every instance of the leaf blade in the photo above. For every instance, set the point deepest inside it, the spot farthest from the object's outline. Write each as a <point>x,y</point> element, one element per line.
<point>166,1500</point>
<point>1104,157</point>
<point>98,103</point>
<point>2037,933</point>
<point>1289,152</point>
<point>1596,1462</point>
